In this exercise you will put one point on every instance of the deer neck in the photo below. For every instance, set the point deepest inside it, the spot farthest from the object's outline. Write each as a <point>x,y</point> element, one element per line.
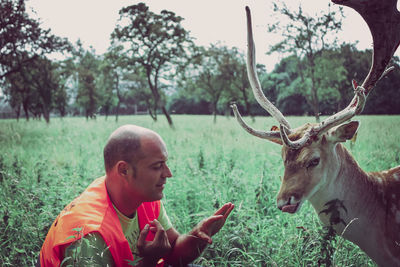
<point>343,202</point>
<point>353,203</point>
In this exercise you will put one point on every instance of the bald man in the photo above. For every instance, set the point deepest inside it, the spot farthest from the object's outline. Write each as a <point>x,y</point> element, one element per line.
<point>119,219</point>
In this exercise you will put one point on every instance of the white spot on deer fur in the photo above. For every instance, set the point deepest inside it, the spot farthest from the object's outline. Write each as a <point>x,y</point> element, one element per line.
<point>398,217</point>
<point>393,196</point>
<point>396,176</point>
<point>394,210</point>
<point>379,180</point>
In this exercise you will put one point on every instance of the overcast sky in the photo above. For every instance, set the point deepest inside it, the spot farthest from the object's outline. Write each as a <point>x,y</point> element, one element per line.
<point>209,21</point>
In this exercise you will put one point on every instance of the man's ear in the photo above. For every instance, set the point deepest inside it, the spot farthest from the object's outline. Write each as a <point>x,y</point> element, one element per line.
<point>343,132</point>
<point>122,168</point>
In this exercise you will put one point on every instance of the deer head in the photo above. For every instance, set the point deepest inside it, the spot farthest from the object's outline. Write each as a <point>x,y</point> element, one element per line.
<point>308,151</point>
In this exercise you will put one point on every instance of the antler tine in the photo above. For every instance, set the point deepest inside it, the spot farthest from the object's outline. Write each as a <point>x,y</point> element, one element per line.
<point>253,77</point>
<point>293,144</point>
<point>271,135</point>
<point>383,20</point>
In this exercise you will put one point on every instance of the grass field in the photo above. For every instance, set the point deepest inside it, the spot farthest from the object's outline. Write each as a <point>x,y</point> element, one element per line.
<point>43,167</point>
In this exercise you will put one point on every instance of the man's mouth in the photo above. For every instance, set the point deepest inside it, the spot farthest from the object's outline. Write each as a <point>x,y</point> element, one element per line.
<point>291,208</point>
<point>161,185</point>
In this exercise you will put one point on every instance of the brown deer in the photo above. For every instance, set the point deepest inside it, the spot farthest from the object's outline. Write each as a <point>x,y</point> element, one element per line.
<point>362,207</point>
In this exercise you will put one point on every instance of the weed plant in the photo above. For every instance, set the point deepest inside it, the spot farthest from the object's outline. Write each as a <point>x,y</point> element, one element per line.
<point>44,167</point>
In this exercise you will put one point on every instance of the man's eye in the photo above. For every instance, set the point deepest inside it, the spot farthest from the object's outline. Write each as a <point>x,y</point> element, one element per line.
<point>313,163</point>
<point>157,166</point>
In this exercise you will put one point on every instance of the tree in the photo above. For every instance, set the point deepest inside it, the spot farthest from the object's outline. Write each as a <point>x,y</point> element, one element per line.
<point>213,77</point>
<point>210,76</point>
<point>384,98</point>
<point>156,42</point>
<point>307,37</point>
<point>114,66</point>
<point>234,70</point>
<point>40,75</point>
<point>24,43</point>
<point>283,86</point>
<point>88,96</point>
<point>64,70</point>
<point>37,87</point>
<point>16,96</point>
<point>106,86</point>
<point>22,39</point>
<point>139,94</point>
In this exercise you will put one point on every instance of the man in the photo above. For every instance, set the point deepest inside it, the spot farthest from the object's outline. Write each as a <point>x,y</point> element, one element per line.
<point>119,219</point>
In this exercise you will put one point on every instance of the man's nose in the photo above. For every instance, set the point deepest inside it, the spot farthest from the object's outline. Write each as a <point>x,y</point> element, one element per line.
<point>167,172</point>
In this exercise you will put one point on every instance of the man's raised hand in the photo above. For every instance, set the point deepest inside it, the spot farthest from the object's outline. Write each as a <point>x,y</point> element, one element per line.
<point>211,225</point>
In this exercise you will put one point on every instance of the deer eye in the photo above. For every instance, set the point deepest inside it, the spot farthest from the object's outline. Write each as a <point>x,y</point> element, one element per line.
<point>312,163</point>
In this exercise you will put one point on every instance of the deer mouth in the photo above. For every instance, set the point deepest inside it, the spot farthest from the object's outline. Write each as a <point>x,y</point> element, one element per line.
<point>291,208</point>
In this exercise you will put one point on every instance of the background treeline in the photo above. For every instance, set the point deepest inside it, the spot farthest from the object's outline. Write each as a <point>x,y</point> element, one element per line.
<point>154,66</point>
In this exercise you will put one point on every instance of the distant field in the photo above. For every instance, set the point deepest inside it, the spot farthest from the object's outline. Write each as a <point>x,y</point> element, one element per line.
<point>43,167</point>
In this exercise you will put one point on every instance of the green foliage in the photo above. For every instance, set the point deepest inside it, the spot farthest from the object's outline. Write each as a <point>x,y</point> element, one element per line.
<point>217,76</point>
<point>43,168</point>
<point>22,38</point>
<point>88,96</point>
<point>37,88</point>
<point>306,37</point>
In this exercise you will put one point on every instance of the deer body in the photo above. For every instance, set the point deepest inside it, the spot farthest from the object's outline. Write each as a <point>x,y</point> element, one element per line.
<point>362,207</point>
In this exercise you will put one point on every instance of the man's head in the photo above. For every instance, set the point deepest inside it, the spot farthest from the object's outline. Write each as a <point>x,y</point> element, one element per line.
<point>135,158</point>
<point>123,144</point>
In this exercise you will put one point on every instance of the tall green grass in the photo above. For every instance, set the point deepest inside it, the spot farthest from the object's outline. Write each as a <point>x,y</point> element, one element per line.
<point>43,167</point>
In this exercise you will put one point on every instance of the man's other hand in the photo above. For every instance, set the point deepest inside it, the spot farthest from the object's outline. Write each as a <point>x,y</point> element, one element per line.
<point>152,251</point>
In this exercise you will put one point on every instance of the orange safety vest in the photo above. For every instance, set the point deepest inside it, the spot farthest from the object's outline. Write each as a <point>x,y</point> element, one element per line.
<point>93,211</point>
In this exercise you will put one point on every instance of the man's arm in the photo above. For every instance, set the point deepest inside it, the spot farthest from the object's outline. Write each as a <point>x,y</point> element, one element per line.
<point>179,249</point>
<point>90,250</point>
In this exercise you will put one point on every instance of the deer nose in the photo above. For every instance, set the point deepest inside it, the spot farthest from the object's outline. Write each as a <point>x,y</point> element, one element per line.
<point>290,205</point>
<point>280,203</point>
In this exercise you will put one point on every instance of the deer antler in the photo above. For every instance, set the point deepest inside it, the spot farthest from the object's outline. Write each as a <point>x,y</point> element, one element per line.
<point>257,91</point>
<point>383,20</point>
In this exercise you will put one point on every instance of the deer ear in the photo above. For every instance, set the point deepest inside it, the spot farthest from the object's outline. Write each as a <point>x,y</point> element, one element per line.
<point>343,132</point>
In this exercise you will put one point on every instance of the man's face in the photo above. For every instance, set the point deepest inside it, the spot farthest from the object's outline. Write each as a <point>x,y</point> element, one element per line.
<point>151,171</point>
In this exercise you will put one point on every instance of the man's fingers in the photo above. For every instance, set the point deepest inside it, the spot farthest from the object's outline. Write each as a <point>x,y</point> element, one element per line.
<point>225,209</point>
<point>204,236</point>
<point>142,237</point>
<point>155,226</point>
<point>229,210</point>
<point>214,218</point>
<point>160,232</point>
<point>155,223</point>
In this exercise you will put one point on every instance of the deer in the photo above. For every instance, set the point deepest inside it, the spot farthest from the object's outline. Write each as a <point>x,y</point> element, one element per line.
<point>363,207</point>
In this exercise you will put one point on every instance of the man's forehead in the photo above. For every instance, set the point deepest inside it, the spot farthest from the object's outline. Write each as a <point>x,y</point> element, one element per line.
<point>153,146</point>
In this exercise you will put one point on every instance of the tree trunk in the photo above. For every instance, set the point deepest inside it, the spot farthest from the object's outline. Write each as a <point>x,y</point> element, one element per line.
<point>315,102</point>
<point>18,112</point>
<point>117,113</point>
<point>119,97</point>
<point>46,114</point>
<point>153,116</point>
<point>314,93</point>
<point>25,107</point>
<point>215,112</point>
<point>169,119</point>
